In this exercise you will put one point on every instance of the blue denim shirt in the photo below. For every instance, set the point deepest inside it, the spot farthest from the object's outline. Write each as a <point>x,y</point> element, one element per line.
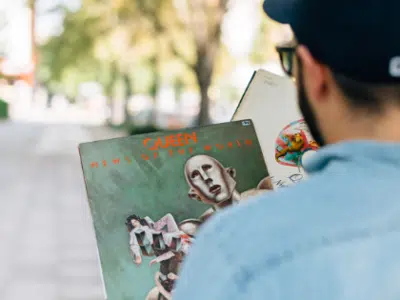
<point>334,236</point>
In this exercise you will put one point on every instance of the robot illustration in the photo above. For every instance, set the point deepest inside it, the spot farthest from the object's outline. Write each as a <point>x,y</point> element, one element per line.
<point>209,182</point>
<point>168,241</point>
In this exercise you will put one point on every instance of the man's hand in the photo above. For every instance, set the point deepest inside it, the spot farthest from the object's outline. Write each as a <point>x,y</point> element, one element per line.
<point>153,261</point>
<point>138,260</point>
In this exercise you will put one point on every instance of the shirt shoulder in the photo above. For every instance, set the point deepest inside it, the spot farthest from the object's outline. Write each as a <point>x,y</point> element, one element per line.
<point>270,223</point>
<point>298,218</point>
<point>287,231</point>
<point>232,242</point>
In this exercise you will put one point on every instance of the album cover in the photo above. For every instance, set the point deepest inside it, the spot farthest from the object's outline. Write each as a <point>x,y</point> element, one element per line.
<point>149,195</point>
<point>271,102</point>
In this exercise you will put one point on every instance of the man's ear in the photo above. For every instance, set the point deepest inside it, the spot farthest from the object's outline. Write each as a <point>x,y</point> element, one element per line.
<point>315,75</point>
<point>266,184</point>
<point>193,195</point>
<point>231,172</point>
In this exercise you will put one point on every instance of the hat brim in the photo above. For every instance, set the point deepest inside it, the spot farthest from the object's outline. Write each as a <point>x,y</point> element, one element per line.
<point>279,10</point>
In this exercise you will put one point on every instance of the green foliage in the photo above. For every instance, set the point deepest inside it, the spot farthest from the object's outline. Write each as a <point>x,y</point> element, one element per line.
<point>74,46</point>
<point>148,42</point>
<point>68,59</point>
<point>142,129</point>
<point>3,109</point>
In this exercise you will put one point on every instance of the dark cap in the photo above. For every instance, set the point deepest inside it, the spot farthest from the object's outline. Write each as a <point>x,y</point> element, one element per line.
<point>356,38</point>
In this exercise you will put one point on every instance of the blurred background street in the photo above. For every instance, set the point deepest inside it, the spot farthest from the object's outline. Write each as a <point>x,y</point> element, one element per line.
<point>73,71</point>
<point>48,249</point>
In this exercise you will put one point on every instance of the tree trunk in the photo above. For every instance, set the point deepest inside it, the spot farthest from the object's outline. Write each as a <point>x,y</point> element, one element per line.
<point>128,91</point>
<point>155,86</point>
<point>206,25</point>
<point>204,69</point>
<point>204,114</point>
<point>32,5</point>
<point>115,107</point>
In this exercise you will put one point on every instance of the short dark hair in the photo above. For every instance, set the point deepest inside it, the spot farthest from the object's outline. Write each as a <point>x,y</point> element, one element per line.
<point>371,97</point>
<point>129,219</point>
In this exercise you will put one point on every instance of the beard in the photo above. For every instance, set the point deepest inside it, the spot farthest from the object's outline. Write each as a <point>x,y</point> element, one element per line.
<point>307,111</point>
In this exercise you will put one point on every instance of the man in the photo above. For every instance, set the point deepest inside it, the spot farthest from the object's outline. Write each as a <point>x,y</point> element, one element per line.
<point>335,236</point>
<point>165,239</point>
<point>211,183</point>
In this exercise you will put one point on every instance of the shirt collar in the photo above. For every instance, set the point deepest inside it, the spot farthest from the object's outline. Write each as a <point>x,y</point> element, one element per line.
<point>362,152</point>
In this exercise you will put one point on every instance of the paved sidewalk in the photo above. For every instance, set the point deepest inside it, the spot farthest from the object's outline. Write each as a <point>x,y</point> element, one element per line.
<point>47,248</point>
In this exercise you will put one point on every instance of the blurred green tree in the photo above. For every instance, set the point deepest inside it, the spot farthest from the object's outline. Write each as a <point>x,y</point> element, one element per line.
<point>195,38</point>
<point>84,51</point>
<point>108,40</point>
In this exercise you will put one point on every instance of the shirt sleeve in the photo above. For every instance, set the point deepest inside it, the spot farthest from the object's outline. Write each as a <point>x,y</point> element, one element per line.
<point>165,256</point>
<point>206,272</point>
<point>149,221</point>
<point>134,244</point>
